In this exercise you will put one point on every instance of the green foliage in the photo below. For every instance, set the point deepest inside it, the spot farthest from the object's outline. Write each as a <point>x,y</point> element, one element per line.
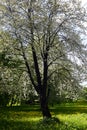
<point>84,93</point>
<point>4,99</point>
<point>9,61</point>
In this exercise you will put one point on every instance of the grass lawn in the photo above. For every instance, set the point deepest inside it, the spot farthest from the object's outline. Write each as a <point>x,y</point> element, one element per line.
<point>73,116</point>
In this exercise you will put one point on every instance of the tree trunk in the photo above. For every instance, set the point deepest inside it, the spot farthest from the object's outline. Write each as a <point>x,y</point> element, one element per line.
<point>44,107</point>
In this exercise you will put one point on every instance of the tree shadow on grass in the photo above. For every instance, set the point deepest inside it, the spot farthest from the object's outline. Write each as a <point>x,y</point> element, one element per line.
<point>16,125</point>
<point>35,109</point>
<point>22,108</point>
<point>68,110</point>
<point>26,125</point>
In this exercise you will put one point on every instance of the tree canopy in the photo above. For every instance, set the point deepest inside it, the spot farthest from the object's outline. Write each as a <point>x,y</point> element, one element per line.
<point>43,41</point>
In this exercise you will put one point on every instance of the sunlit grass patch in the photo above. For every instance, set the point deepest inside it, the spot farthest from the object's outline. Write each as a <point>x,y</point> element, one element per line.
<point>77,121</point>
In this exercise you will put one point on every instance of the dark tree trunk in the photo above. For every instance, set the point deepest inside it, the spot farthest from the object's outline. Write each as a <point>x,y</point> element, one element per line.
<point>44,107</point>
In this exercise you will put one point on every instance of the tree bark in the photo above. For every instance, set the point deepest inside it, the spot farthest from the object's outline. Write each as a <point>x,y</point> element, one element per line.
<point>44,107</point>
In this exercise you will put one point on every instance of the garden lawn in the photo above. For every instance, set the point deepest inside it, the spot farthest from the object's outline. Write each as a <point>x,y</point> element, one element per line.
<point>72,116</point>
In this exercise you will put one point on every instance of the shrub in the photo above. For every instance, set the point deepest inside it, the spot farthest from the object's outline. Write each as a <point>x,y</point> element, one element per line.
<point>4,99</point>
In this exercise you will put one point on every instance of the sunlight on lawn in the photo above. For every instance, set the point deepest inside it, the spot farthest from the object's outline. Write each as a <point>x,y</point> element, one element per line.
<point>78,120</point>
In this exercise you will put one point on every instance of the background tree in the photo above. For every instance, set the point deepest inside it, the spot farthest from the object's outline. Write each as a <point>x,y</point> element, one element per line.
<point>63,86</point>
